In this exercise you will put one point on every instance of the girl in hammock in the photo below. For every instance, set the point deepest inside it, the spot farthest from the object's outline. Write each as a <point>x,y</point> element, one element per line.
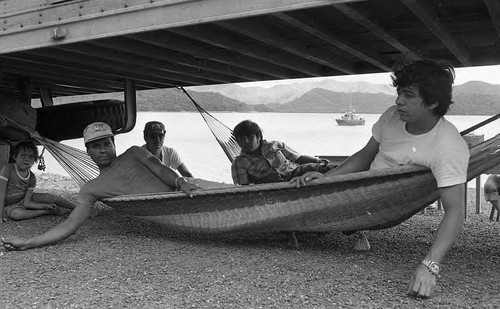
<point>17,183</point>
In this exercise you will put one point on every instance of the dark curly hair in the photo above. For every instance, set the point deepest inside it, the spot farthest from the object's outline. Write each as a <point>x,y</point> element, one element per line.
<point>433,79</point>
<point>25,145</point>
<point>247,127</point>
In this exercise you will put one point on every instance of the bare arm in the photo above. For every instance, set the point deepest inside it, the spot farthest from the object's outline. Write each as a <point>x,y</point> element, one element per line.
<point>307,159</point>
<point>183,170</point>
<point>360,161</point>
<point>453,199</point>
<point>61,231</point>
<point>30,204</point>
<point>168,176</point>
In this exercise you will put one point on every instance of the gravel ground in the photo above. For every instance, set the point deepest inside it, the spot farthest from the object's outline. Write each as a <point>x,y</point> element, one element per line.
<point>116,261</point>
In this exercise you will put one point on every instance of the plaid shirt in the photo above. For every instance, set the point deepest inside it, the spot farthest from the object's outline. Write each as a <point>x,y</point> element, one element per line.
<point>275,163</point>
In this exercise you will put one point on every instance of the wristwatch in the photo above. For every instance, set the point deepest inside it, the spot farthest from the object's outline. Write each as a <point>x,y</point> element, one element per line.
<point>433,267</point>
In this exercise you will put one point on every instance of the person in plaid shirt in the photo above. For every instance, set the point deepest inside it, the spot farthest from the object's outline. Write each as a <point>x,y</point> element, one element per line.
<point>262,161</point>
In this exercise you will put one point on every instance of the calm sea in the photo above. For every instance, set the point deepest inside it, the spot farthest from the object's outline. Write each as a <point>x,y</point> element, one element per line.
<point>312,134</point>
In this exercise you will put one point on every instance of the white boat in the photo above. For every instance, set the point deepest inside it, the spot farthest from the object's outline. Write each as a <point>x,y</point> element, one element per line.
<point>350,118</point>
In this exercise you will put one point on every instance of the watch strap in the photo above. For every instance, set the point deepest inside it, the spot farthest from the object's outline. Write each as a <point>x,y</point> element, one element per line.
<point>429,264</point>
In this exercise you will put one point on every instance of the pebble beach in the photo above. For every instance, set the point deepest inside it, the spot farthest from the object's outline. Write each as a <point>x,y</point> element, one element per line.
<point>116,261</point>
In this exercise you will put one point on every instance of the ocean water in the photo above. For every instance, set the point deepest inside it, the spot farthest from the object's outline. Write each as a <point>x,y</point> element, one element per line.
<point>311,134</point>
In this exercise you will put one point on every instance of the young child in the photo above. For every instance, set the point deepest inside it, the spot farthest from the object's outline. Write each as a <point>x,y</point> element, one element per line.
<point>262,161</point>
<point>17,182</point>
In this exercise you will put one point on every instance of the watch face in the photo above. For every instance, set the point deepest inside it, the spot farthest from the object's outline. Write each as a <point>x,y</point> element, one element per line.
<point>434,268</point>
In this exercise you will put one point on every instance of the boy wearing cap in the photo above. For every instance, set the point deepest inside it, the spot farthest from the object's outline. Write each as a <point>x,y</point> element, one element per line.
<point>154,135</point>
<point>136,171</point>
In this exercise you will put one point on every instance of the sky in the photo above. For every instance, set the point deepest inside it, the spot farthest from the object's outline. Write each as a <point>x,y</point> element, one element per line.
<point>488,74</point>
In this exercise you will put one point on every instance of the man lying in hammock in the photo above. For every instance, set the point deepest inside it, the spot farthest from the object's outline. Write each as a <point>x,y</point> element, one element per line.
<point>414,131</point>
<point>133,172</point>
<point>261,161</point>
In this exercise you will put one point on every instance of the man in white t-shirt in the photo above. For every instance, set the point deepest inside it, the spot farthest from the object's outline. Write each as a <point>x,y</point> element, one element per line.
<point>414,131</point>
<point>154,135</point>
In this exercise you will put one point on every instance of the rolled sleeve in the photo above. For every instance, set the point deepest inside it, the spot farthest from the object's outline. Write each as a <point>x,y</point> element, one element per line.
<point>289,153</point>
<point>239,173</point>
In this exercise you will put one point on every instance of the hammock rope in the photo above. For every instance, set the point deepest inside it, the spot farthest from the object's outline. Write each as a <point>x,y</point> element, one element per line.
<point>220,131</point>
<point>74,161</point>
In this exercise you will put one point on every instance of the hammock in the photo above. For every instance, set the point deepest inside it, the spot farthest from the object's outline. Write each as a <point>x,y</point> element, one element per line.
<point>359,201</point>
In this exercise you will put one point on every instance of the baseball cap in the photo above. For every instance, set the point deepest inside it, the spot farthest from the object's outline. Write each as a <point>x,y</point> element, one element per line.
<point>154,126</point>
<point>95,131</point>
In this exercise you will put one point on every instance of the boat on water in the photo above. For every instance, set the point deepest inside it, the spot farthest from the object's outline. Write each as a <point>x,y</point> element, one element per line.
<point>350,118</point>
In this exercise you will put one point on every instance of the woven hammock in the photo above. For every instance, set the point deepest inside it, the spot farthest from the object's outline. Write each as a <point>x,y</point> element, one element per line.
<point>359,201</point>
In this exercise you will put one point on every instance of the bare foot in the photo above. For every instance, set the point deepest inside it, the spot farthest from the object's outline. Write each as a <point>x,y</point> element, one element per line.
<point>56,211</point>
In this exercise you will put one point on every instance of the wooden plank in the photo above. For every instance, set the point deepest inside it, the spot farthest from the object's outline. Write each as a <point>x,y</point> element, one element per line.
<point>495,170</point>
<point>122,58</point>
<point>139,18</point>
<point>266,34</point>
<point>423,10</point>
<point>132,71</point>
<point>322,33</point>
<point>143,49</point>
<point>46,77</point>
<point>81,69</point>
<point>277,57</point>
<point>374,27</point>
<point>8,7</point>
<point>225,57</point>
<point>494,9</point>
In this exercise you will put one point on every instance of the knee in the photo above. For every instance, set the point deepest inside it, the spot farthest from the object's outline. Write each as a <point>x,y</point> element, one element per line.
<point>45,198</point>
<point>16,214</point>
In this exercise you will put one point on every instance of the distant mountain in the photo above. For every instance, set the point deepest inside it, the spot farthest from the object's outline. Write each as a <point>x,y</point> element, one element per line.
<point>477,87</point>
<point>173,100</point>
<point>288,92</point>
<point>325,101</point>
<point>476,98</point>
<point>475,104</point>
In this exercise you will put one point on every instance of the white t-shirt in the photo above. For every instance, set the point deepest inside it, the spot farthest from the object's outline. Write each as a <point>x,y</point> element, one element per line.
<point>169,157</point>
<point>442,149</point>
